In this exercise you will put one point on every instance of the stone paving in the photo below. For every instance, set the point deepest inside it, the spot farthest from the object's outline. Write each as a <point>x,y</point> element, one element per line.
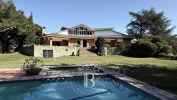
<point>10,73</point>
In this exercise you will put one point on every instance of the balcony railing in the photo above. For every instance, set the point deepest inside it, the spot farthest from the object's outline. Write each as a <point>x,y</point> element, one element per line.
<point>80,36</point>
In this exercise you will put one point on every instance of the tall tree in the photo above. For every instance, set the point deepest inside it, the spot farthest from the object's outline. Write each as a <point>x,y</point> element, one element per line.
<point>149,22</point>
<point>28,32</point>
<point>31,17</point>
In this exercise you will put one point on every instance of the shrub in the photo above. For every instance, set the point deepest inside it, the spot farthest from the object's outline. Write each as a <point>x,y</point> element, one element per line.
<point>151,46</point>
<point>115,50</point>
<point>78,53</point>
<point>166,49</point>
<point>1,47</point>
<point>141,49</point>
<point>107,45</point>
<point>173,43</point>
<point>109,49</point>
<point>30,66</point>
<point>163,46</point>
<point>100,46</point>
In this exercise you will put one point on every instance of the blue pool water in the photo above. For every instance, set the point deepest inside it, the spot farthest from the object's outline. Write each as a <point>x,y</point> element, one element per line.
<point>101,88</point>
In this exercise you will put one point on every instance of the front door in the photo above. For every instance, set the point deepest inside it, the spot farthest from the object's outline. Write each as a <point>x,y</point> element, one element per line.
<point>84,43</point>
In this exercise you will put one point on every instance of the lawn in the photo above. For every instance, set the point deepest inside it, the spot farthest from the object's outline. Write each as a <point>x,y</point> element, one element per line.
<point>15,60</point>
<point>157,72</point>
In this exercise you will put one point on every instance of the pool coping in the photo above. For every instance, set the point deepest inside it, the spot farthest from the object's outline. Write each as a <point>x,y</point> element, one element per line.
<point>154,91</point>
<point>159,93</point>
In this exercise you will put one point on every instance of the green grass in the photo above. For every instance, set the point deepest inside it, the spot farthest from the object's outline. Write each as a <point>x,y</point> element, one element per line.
<point>141,67</point>
<point>111,60</point>
<point>16,60</point>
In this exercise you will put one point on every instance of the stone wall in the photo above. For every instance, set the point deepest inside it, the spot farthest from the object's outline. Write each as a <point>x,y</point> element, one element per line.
<point>58,51</point>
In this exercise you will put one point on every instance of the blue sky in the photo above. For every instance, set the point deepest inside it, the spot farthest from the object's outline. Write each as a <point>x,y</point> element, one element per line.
<point>95,13</point>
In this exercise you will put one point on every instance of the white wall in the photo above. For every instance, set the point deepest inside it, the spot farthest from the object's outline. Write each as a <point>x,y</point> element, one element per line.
<point>64,32</point>
<point>58,51</point>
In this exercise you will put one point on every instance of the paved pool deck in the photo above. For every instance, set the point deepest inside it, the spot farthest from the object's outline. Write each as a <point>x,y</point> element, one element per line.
<point>10,73</point>
<point>17,74</point>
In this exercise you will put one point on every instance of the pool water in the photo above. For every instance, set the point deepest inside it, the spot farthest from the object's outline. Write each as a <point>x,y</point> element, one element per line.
<point>77,88</point>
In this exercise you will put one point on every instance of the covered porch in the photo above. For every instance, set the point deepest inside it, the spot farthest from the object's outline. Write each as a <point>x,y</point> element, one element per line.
<point>83,43</point>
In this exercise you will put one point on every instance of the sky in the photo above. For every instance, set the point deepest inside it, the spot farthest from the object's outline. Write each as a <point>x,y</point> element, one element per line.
<point>53,14</point>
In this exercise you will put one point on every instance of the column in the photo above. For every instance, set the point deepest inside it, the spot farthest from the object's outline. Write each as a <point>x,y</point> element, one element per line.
<point>69,44</point>
<point>51,43</point>
<point>88,44</point>
<point>81,43</point>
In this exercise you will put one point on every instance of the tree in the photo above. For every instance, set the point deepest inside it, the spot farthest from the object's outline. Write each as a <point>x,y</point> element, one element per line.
<point>149,22</point>
<point>9,39</point>
<point>1,48</point>
<point>100,45</point>
<point>27,31</point>
<point>31,18</point>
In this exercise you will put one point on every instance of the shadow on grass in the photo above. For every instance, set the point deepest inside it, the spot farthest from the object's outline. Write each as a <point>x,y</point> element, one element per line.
<point>161,77</point>
<point>93,50</point>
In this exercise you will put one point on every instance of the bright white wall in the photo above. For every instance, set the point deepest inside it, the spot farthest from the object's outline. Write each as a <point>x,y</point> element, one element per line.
<point>64,32</point>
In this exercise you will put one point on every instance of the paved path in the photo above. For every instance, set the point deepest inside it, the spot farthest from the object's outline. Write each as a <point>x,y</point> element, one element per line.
<point>9,73</point>
<point>86,52</point>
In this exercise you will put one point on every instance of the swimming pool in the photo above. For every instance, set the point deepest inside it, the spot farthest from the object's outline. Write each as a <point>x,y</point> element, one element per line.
<point>72,88</point>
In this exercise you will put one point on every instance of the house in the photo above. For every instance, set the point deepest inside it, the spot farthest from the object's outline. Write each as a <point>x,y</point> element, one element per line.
<point>85,37</point>
<point>68,40</point>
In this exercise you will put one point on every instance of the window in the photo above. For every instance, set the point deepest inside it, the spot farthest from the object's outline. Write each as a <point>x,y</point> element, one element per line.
<point>47,53</point>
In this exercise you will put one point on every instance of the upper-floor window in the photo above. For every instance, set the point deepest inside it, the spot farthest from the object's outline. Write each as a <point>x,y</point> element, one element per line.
<point>82,31</point>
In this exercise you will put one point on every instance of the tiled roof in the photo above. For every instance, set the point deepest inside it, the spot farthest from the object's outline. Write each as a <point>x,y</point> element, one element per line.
<point>102,29</point>
<point>108,32</point>
<point>99,32</point>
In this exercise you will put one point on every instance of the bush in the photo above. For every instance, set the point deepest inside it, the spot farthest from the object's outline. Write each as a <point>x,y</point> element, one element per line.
<point>163,47</point>
<point>30,66</point>
<point>166,49</point>
<point>173,43</point>
<point>141,49</point>
<point>107,45</point>
<point>1,47</point>
<point>109,48</point>
<point>100,46</point>
<point>151,46</point>
<point>114,50</point>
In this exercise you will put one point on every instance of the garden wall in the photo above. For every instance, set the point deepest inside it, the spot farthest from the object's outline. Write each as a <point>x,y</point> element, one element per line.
<point>57,51</point>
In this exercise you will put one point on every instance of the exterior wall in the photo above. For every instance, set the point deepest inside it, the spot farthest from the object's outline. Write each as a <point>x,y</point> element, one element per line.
<point>56,38</point>
<point>58,51</point>
<point>114,42</point>
<point>72,42</point>
<point>64,32</point>
<point>91,42</point>
<point>86,37</point>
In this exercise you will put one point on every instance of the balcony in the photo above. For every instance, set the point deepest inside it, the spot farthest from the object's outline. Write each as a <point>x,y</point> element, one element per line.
<point>80,36</point>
